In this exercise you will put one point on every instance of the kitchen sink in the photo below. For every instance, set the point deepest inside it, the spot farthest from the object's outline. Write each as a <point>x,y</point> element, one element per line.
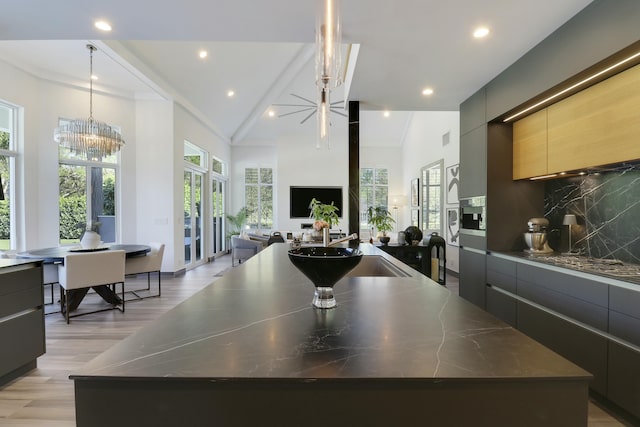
<point>375,265</point>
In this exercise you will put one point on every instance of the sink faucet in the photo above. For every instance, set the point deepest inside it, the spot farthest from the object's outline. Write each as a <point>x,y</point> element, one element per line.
<point>353,236</point>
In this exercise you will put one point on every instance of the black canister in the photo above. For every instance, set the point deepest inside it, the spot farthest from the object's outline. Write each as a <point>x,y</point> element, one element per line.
<point>412,234</point>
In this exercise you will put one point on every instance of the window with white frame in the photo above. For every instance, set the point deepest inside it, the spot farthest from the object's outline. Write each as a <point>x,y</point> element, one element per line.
<point>88,194</point>
<point>432,197</point>
<point>374,191</point>
<point>8,155</point>
<point>258,197</point>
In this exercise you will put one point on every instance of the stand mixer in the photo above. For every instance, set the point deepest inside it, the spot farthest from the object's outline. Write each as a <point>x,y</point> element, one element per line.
<point>536,237</point>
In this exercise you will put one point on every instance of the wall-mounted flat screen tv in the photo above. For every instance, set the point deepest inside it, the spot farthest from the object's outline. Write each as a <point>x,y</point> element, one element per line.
<point>300,197</point>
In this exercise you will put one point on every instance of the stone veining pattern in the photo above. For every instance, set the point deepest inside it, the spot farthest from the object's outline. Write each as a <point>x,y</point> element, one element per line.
<point>607,205</point>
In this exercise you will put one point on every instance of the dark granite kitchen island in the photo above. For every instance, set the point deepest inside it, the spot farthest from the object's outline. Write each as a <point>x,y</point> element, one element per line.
<point>251,350</point>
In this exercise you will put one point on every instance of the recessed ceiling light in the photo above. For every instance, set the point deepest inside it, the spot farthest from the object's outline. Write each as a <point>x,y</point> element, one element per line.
<point>481,32</point>
<point>203,54</point>
<point>271,113</point>
<point>94,77</point>
<point>386,114</point>
<point>102,25</point>
<point>427,91</point>
<point>231,94</point>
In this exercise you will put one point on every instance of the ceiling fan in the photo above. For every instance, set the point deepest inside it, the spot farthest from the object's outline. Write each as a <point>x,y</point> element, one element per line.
<point>308,106</point>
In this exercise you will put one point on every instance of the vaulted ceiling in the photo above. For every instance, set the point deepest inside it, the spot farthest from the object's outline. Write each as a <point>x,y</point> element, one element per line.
<point>263,51</point>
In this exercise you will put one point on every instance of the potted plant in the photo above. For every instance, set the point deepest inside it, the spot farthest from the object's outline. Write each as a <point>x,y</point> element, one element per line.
<point>325,216</point>
<point>380,218</point>
<point>237,222</point>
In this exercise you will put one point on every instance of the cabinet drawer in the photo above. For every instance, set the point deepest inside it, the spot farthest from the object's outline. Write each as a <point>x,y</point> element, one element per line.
<point>502,306</point>
<point>21,300</point>
<point>625,301</point>
<point>624,377</point>
<point>501,273</point>
<point>14,279</point>
<point>581,346</point>
<point>22,340</point>
<point>577,287</point>
<point>624,327</point>
<point>578,309</point>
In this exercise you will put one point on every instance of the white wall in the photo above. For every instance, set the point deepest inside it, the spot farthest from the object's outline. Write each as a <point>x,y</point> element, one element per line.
<point>423,146</point>
<point>154,179</point>
<point>44,102</point>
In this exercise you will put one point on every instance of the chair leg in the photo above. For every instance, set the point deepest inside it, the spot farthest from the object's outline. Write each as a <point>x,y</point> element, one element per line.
<point>123,297</point>
<point>66,311</point>
<point>159,283</point>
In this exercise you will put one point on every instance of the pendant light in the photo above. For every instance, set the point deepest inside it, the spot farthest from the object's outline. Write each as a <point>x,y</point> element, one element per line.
<point>328,62</point>
<point>88,137</point>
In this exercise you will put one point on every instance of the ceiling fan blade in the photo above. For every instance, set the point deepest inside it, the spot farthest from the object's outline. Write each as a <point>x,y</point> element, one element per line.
<point>304,99</point>
<point>336,102</point>
<point>338,112</point>
<point>292,105</point>
<point>309,116</point>
<point>295,112</point>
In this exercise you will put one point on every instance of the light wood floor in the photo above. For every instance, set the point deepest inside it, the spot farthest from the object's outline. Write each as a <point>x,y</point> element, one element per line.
<point>45,396</point>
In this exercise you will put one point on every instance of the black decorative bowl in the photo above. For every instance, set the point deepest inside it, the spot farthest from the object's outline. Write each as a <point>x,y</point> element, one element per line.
<point>324,267</point>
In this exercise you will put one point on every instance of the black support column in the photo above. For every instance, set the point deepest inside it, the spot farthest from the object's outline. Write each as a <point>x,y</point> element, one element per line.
<point>354,167</point>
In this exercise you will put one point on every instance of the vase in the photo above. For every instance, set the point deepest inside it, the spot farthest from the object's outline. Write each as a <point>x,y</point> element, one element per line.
<point>326,237</point>
<point>90,240</point>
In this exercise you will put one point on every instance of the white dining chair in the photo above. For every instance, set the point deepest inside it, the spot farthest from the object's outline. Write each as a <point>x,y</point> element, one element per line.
<point>150,263</point>
<point>81,271</point>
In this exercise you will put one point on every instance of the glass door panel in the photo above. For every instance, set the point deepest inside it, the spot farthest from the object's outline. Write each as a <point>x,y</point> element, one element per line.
<point>187,216</point>
<point>217,216</point>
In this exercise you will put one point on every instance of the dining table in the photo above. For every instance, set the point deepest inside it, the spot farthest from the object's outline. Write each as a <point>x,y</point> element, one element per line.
<point>55,255</point>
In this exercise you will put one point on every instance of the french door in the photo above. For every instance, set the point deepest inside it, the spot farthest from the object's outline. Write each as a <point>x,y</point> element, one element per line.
<point>193,201</point>
<point>218,228</point>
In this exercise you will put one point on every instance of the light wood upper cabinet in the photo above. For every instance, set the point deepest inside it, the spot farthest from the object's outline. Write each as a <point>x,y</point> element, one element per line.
<point>597,126</point>
<point>530,146</point>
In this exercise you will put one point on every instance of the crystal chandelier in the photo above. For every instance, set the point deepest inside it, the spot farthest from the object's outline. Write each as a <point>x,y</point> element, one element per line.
<point>89,137</point>
<point>328,62</point>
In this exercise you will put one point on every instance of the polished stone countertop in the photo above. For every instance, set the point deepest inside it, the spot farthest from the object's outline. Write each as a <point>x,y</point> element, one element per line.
<point>12,262</point>
<point>256,322</point>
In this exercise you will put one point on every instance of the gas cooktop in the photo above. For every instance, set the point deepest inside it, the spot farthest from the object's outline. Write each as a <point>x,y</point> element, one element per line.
<point>608,267</point>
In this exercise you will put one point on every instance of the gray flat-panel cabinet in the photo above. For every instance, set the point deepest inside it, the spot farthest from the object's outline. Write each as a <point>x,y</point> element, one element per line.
<point>501,305</point>
<point>624,314</point>
<point>583,347</point>
<point>473,163</point>
<point>472,277</point>
<point>581,299</point>
<point>501,280</point>
<point>22,337</point>
<point>624,377</point>
<point>472,112</point>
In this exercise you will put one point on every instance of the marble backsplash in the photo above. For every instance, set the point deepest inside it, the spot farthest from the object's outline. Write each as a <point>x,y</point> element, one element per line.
<point>606,203</point>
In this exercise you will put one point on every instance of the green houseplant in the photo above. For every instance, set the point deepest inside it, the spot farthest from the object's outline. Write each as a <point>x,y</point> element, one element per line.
<point>380,218</point>
<point>325,216</point>
<point>237,222</point>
